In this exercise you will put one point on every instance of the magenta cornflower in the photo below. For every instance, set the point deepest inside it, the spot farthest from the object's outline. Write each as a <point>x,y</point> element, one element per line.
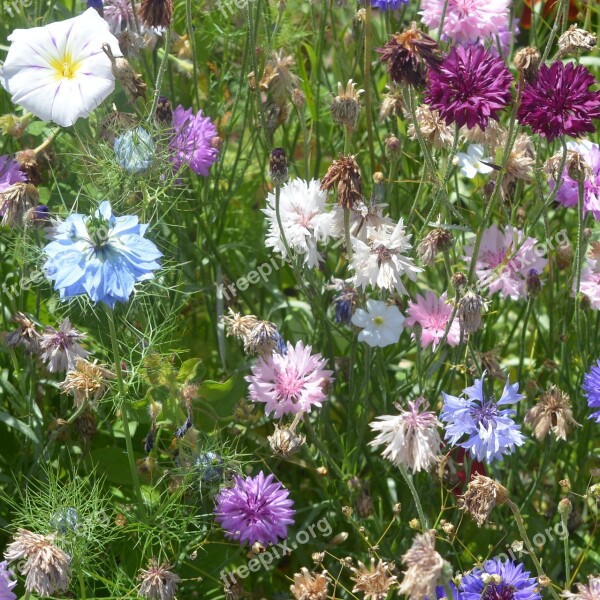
<point>289,383</point>
<point>255,509</point>
<point>466,21</point>
<point>559,101</point>
<point>195,141</point>
<point>433,314</point>
<point>10,173</point>
<point>470,87</point>
<point>497,268</point>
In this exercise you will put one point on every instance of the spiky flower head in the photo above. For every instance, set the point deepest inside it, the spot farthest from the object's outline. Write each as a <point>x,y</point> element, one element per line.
<point>437,240</point>
<point>482,495</point>
<point>310,586</point>
<point>158,582</point>
<point>278,166</point>
<point>259,337</point>
<point>87,381</point>
<point>375,580</point>
<point>15,202</point>
<point>344,174</point>
<point>285,441</point>
<point>60,347</point>
<point>26,334</point>
<point>553,412</point>
<point>345,108</point>
<point>470,87</point>
<point>409,55</point>
<point>411,438</point>
<point>559,101</point>
<point>470,308</point>
<point>425,568</point>
<point>46,566</point>
<point>255,509</point>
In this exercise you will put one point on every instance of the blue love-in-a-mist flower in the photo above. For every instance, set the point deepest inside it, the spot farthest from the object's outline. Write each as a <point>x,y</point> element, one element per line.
<point>490,431</point>
<point>101,256</point>
<point>135,150</point>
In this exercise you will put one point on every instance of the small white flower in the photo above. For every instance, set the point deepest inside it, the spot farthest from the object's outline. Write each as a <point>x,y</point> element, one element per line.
<point>382,260</point>
<point>305,220</point>
<point>59,72</point>
<point>471,163</point>
<point>381,324</point>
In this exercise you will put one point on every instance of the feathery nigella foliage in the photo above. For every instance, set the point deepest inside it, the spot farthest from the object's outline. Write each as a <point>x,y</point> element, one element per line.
<point>299,300</point>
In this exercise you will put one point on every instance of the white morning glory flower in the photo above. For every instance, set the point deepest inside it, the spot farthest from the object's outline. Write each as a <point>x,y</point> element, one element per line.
<point>59,72</point>
<point>381,324</point>
<point>471,163</point>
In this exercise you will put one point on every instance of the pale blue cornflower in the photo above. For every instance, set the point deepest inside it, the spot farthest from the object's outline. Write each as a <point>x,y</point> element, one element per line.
<point>101,256</point>
<point>491,432</point>
<point>135,150</point>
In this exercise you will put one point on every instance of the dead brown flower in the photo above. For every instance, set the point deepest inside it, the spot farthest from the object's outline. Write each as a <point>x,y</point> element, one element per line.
<point>345,175</point>
<point>481,496</point>
<point>552,412</point>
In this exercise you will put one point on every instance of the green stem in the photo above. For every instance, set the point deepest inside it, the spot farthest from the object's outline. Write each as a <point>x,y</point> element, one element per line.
<point>161,75</point>
<point>81,585</point>
<point>190,30</point>
<point>347,232</point>
<point>368,83</point>
<point>521,526</point>
<point>123,403</point>
<point>415,495</point>
<point>564,519</point>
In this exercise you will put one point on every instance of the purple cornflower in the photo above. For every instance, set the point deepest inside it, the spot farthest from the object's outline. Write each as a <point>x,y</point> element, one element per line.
<point>440,592</point>
<point>61,347</point>
<point>591,390</point>
<point>6,584</point>
<point>470,87</point>
<point>195,141</point>
<point>515,583</point>
<point>255,509</point>
<point>10,173</point>
<point>491,432</point>
<point>559,103</point>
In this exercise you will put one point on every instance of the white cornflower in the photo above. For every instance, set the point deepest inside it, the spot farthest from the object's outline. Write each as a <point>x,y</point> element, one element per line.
<point>381,324</point>
<point>59,72</point>
<point>305,221</point>
<point>362,217</point>
<point>471,163</point>
<point>381,261</point>
<point>411,438</point>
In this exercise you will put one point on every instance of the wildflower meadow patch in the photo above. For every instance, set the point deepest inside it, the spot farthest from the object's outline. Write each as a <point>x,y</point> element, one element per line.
<point>299,299</point>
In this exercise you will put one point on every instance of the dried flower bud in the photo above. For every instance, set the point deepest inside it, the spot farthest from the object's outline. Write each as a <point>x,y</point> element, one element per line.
<point>310,586</point>
<point>574,41</point>
<point>278,166</point>
<point>378,178</point>
<point>285,441</point>
<point>470,308</point>
<point>298,98</point>
<point>459,280</point>
<point>338,539</point>
<point>28,163</point>
<point>397,508</point>
<point>527,61</point>
<point>318,557</point>
<point>345,175</point>
<point>347,511</point>
<point>164,112</point>
<point>481,496</point>
<point>364,504</point>
<point>533,283</point>
<point>577,167</point>
<point>415,524</point>
<point>15,202</point>
<point>322,471</point>
<point>564,256</point>
<point>12,125</point>
<point>156,13</point>
<point>565,507</point>
<point>158,582</point>
<point>123,72</point>
<point>393,147</point>
<point>437,240</point>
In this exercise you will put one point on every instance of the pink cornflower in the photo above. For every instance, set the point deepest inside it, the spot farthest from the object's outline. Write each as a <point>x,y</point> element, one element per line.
<point>467,21</point>
<point>289,383</point>
<point>432,314</point>
<point>494,268</point>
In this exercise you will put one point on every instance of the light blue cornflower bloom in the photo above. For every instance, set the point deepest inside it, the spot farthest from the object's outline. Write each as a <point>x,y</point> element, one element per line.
<point>490,431</point>
<point>135,150</point>
<point>102,256</point>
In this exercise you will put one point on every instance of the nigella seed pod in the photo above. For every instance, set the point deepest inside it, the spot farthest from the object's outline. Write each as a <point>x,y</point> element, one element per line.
<point>164,112</point>
<point>65,520</point>
<point>132,82</point>
<point>210,467</point>
<point>135,151</point>
<point>278,166</point>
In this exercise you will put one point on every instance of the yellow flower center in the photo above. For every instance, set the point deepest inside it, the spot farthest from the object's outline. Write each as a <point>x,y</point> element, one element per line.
<point>378,321</point>
<point>64,66</point>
